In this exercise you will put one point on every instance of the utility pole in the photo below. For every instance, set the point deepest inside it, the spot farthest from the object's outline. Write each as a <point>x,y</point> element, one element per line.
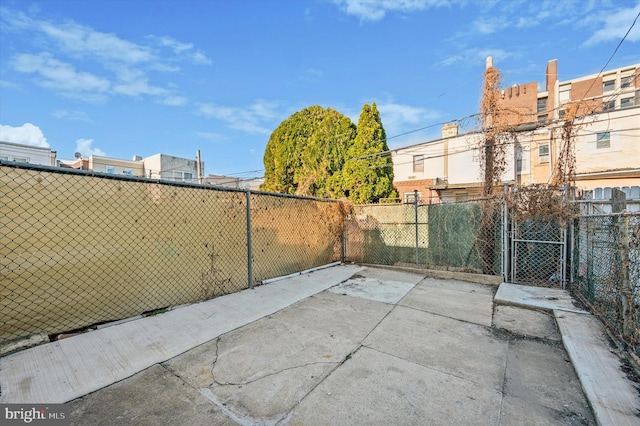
<point>198,167</point>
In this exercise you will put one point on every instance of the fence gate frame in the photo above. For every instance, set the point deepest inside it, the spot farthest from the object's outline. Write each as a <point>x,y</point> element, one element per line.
<point>517,243</point>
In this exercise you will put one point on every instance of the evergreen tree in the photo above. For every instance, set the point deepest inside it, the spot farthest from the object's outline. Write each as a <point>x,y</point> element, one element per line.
<point>306,150</point>
<point>319,152</point>
<point>367,175</point>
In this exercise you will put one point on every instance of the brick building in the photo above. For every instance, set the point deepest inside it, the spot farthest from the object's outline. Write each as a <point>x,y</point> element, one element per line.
<point>606,108</point>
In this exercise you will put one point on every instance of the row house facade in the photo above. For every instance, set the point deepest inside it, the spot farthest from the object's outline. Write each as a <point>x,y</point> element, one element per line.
<point>158,166</point>
<point>19,153</point>
<point>606,140</point>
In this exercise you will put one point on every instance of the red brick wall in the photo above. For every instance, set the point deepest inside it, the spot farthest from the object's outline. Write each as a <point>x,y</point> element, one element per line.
<point>421,185</point>
<point>520,103</point>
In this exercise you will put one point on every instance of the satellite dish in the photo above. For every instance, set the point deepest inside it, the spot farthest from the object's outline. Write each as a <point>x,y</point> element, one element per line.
<point>77,155</point>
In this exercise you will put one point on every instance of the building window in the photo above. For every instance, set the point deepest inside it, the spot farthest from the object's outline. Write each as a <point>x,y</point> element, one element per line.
<point>608,105</point>
<point>626,82</point>
<point>626,102</point>
<point>519,160</point>
<point>128,172</point>
<point>603,140</point>
<point>542,119</point>
<point>4,158</point>
<point>183,176</point>
<point>608,86</point>
<point>564,94</point>
<point>21,159</point>
<point>418,163</point>
<point>542,105</point>
<point>522,159</point>
<point>543,154</point>
<point>409,197</point>
<point>110,169</point>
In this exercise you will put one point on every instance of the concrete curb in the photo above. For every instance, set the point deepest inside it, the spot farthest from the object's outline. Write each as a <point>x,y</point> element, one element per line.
<point>613,399</point>
<point>494,280</point>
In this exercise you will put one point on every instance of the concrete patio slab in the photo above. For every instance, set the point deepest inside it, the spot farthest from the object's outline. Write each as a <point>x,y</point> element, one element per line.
<point>538,297</point>
<point>613,398</point>
<point>61,371</point>
<point>517,411</point>
<point>465,350</point>
<point>328,359</point>
<point>379,284</point>
<point>459,300</point>
<point>526,322</point>
<point>262,370</point>
<point>375,388</point>
<point>150,398</point>
<point>541,374</point>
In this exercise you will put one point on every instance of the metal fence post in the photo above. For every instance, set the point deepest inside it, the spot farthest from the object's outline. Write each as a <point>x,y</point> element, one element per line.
<point>249,252</point>
<point>505,235</point>
<point>415,203</point>
<point>345,236</point>
<point>564,234</point>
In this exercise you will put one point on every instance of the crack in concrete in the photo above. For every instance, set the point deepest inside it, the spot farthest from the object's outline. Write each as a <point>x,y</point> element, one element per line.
<point>289,415</point>
<point>273,374</point>
<point>213,366</point>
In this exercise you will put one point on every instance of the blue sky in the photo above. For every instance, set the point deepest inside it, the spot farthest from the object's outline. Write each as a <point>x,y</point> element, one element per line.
<point>125,77</point>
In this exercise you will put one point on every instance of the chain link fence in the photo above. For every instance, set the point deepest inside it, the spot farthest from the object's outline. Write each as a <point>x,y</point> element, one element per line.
<point>606,271</point>
<point>466,237</point>
<point>538,248</point>
<point>80,248</point>
<point>538,223</point>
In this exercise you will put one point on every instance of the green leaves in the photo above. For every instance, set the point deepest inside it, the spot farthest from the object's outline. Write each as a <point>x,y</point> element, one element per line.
<point>368,171</point>
<point>319,152</point>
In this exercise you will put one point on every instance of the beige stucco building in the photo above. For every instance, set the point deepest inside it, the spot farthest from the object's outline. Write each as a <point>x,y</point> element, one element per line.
<point>606,135</point>
<point>20,153</point>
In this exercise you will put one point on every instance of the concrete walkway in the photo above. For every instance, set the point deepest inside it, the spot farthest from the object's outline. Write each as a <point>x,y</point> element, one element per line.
<point>345,345</point>
<point>61,371</point>
<point>614,399</point>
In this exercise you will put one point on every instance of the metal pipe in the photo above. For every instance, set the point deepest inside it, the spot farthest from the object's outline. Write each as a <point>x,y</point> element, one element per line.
<point>249,251</point>
<point>415,202</point>
<point>505,235</point>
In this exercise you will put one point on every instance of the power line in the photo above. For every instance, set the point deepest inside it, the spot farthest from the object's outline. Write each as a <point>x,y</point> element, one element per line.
<point>475,115</point>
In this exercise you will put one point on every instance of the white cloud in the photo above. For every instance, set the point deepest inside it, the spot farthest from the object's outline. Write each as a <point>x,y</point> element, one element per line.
<point>84,41</point>
<point>375,10</point>
<point>615,26</point>
<point>175,101</point>
<point>200,58</point>
<point>61,76</point>
<point>182,49</point>
<point>83,146</point>
<point>134,82</point>
<point>118,66</point>
<point>27,134</point>
<point>398,118</point>
<point>8,84</point>
<point>72,115</point>
<point>476,56</point>
<point>250,119</point>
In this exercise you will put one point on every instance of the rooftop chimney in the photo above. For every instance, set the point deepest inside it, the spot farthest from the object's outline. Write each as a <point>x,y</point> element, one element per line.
<point>450,130</point>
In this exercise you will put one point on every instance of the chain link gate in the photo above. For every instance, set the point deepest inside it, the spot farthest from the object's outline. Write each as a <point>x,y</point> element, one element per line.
<point>537,240</point>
